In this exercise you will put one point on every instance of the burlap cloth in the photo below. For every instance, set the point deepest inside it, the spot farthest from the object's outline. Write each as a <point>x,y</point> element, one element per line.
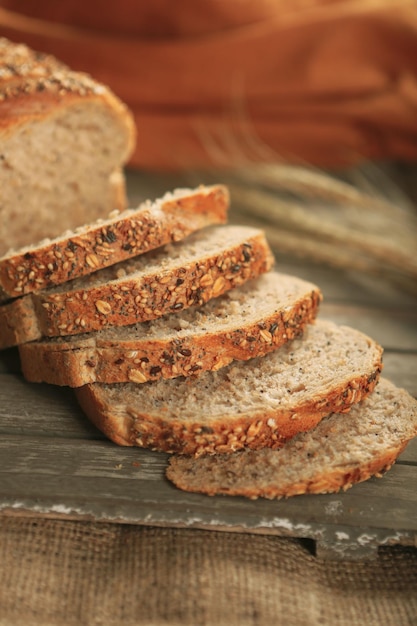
<point>64,572</point>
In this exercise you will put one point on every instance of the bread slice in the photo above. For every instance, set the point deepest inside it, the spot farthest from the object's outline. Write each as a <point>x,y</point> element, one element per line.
<point>339,452</point>
<point>169,279</point>
<point>64,139</point>
<point>106,242</point>
<point>258,403</point>
<point>248,321</point>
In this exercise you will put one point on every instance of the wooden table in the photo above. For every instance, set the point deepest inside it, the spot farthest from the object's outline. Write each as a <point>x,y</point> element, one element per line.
<point>54,463</point>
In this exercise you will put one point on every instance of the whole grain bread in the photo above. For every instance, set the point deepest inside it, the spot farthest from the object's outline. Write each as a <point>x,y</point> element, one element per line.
<point>258,403</point>
<point>339,452</point>
<point>108,241</point>
<point>172,278</point>
<point>246,322</point>
<point>64,139</point>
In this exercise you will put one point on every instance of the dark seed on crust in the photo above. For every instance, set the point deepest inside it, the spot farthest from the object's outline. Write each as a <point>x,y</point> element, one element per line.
<point>109,236</point>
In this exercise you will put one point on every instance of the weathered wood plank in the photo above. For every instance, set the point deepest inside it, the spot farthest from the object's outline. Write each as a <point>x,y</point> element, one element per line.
<point>410,454</point>
<point>401,368</point>
<point>38,409</point>
<point>104,482</point>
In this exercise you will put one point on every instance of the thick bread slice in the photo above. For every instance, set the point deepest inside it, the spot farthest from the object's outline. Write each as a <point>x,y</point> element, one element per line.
<point>106,242</point>
<point>248,321</point>
<point>64,139</point>
<point>339,452</point>
<point>258,403</point>
<point>169,279</point>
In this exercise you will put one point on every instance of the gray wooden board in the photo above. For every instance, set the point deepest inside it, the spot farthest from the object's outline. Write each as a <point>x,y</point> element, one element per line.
<point>55,463</point>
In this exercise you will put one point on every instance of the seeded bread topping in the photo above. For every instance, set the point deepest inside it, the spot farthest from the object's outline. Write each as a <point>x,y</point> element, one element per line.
<point>24,72</point>
<point>249,321</point>
<point>108,241</point>
<point>258,403</point>
<point>166,280</point>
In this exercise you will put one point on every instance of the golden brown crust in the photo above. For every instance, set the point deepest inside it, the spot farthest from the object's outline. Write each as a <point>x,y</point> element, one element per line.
<point>111,241</point>
<point>256,431</point>
<point>126,301</point>
<point>34,85</point>
<point>342,478</point>
<point>337,454</point>
<point>148,360</point>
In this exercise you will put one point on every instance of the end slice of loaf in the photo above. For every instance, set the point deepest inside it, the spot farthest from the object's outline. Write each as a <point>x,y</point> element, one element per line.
<point>246,322</point>
<point>64,141</point>
<point>252,404</point>
<point>109,241</point>
<point>339,452</point>
<point>166,280</point>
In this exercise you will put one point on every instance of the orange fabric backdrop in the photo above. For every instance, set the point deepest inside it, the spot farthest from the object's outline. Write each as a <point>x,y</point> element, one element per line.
<point>219,83</point>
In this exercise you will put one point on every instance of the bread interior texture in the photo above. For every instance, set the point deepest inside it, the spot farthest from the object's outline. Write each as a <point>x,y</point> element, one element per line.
<point>60,171</point>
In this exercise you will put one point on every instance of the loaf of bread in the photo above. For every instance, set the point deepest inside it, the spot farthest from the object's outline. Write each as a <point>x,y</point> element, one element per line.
<point>108,241</point>
<point>258,403</point>
<point>169,323</point>
<point>172,278</point>
<point>64,139</point>
<point>246,322</point>
<point>336,454</point>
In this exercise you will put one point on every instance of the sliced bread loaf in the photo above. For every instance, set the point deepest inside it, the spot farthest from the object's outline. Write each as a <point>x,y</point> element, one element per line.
<point>248,321</point>
<point>258,403</point>
<point>64,139</point>
<point>339,452</point>
<point>169,279</point>
<point>106,242</point>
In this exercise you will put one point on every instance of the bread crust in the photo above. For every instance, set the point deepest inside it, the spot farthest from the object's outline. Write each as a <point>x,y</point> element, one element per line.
<point>65,139</point>
<point>18,323</point>
<point>333,457</point>
<point>110,241</point>
<point>145,360</point>
<point>130,426</point>
<point>127,301</point>
<point>337,480</point>
<point>34,86</point>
